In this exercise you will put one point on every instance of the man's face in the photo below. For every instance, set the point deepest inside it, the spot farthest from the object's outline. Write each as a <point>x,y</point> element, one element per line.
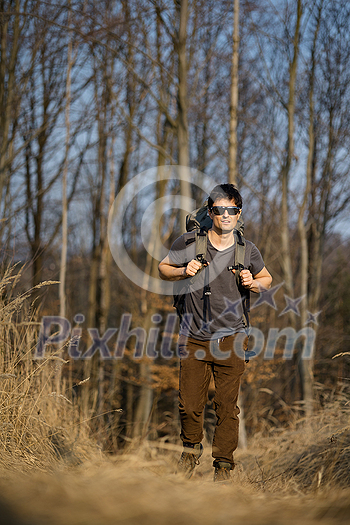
<point>225,222</point>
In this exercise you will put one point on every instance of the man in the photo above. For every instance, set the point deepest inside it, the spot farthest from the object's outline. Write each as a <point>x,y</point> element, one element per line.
<point>212,323</point>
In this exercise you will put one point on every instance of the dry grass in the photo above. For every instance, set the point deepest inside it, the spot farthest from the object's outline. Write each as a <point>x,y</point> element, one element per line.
<point>141,488</point>
<point>276,481</point>
<point>38,426</point>
<point>51,472</point>
<point>313,454</point>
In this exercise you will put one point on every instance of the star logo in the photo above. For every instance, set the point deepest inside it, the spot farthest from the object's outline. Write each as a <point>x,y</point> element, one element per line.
<point>267,297</point>
<point>312,318</point>
<point>232,308</point>
<point>292,305</point>
<point>206,326</point>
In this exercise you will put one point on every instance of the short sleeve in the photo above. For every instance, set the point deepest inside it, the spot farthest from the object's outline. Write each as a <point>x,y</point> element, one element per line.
<point>178,253</point>
<point>256,261</point>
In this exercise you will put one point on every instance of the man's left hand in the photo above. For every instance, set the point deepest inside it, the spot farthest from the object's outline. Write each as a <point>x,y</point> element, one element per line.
<point>260,282</point>
<point>246,278</point>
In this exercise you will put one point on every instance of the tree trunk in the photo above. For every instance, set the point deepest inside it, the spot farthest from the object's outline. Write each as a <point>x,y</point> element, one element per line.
<point>285,173</point>
<point>63,263</point>
<point>242,432</point>
<point>182,128</point>
<point>63,267</point>
<point>232,172</point>
<point>144,403</point>
<point>306,366</point>
<point>7,89</point>
<point>130,99</point>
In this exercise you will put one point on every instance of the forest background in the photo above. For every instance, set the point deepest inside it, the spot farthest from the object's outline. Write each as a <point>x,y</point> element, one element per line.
<point>93,94</point>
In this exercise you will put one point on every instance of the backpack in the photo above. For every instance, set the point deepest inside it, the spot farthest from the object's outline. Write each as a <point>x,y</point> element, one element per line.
<point>199,222</point>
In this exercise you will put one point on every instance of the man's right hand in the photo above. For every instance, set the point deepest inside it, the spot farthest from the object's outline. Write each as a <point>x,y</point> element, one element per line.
<point>170,272</point>
<point>192,268</point>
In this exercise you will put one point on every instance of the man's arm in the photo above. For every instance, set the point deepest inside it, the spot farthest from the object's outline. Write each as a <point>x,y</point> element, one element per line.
<point>256,283</point>
<point>171,272</point>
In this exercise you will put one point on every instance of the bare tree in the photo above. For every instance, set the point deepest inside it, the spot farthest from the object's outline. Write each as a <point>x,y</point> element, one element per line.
<point>63,269</point>
<point>234,98</point>
<point>13,80</point>
<point>329,193</point>
<point>182,103</point>
<point>289,156</point>
<point>306,367</point>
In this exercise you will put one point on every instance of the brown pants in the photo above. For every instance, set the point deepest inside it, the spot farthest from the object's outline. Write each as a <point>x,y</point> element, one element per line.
<point>197,360</point>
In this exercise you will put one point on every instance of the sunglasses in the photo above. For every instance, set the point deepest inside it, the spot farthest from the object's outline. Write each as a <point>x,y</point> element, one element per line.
<point>220,210</point>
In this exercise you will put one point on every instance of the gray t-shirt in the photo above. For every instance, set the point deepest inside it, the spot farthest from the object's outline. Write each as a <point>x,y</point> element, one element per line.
<point>219,313</point>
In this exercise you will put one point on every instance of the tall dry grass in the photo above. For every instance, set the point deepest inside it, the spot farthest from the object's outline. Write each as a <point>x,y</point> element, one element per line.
<point>38,425</point>
<point>140,488</point>
<point>52,473</point>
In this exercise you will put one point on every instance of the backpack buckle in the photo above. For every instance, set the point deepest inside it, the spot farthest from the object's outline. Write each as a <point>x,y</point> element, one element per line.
<point>238,266</point>
<point>202,260</point>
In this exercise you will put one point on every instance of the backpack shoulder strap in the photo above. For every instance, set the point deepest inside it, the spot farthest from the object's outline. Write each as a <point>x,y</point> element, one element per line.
<point>201,239</point>
<point>201,244</point>
<point>239,253</point>
<point>239,265</point>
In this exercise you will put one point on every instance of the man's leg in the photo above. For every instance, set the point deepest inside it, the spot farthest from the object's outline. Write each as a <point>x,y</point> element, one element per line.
<point>227,377</point>
<point>193,389</point>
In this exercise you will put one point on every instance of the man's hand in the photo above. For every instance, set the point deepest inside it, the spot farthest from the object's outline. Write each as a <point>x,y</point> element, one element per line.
<point>246,278</point>
<point>170,272</point>
<point>257,283</point>
<point>192,268</point>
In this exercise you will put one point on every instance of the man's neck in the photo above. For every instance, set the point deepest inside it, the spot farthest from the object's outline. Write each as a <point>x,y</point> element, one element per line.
<point>221,240</point>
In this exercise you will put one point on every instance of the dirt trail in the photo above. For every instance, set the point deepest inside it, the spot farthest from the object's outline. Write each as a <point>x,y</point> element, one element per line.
<point>136,490</point>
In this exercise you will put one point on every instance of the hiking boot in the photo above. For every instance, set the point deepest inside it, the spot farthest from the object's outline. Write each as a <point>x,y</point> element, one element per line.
<point>189,458</point>
<point>222,472</point>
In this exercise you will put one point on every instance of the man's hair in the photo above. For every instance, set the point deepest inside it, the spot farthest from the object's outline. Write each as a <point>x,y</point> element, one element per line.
<point>225,191</point>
